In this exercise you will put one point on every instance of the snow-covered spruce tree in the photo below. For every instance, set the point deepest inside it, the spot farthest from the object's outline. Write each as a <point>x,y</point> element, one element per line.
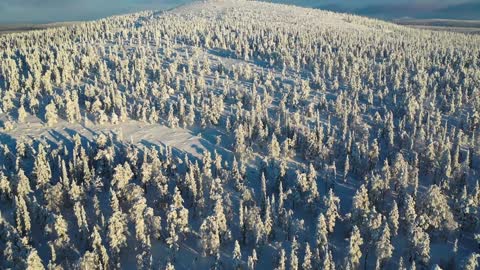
<point>51,114</point>
<point>293,255</point>
<point>354,249</point>
<point>22,216</point>
<point>383,247</point>
<point>307,263</point>
<point>21,114</point>
<point>393,219</point>
<point>81,218</point>
<point>321,233</point>
<point>252,260</point>
<point>472,262</point>
<point>332,204</point>
<point>22,184</point>
<point>361,207</point>
<point>41,170</point>
<point>419,245</point>
<point>177,219</point>
<point>237,256</point>
<point>209,236</point>
<point>329,262</point>
<point>123,174</point>
<point>307,186</point>
<point>221,220</point>
<point>239,145</point>
<point>434,204</point>
<point>57,230</point>
<point>99,251</point>
<point>274,147</point>
<point>282,261</point>
<point>34,262</point>
<point>117,235</point>
<point>5,187</point>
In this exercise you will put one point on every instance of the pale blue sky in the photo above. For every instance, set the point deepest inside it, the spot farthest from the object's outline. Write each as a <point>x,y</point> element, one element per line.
<point>40,11</point>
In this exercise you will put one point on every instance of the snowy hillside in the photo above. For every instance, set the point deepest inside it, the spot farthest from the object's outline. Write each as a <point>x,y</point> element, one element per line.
<point>239,135</point>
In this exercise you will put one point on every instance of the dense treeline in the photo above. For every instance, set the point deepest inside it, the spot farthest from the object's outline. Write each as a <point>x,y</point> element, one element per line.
<point>332,127</point>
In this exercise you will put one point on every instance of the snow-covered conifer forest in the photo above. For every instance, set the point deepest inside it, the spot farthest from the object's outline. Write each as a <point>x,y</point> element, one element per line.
<point>239,135</point>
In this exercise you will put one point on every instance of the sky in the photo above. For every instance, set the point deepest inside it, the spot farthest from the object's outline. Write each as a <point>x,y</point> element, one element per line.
<point>43,11</point>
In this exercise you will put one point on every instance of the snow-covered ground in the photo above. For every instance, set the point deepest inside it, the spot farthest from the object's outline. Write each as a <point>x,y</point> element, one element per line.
<point>281,127</point>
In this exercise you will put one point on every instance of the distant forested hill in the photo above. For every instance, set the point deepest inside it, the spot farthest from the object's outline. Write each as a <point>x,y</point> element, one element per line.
<point>466,10</point>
